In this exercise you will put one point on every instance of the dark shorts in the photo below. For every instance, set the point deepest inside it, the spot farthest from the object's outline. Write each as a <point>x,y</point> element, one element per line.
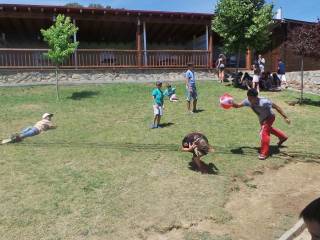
<point>191,94</point>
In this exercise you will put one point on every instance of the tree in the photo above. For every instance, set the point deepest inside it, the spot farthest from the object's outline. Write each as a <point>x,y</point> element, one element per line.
<point>243,24</point>
<point>305,42</point>
<point>73,4</point>
<point>59,39</point>
<point>95,5</point>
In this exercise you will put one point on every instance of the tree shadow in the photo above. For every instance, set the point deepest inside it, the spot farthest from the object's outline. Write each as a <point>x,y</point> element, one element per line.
<point>83,94</point>
<point>305,101</point>
<point>211,167</point>
<point>308,101</point>
<point>163,125</point>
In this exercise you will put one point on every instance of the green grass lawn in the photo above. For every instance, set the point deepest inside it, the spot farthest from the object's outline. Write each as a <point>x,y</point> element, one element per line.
<point>103,174</point>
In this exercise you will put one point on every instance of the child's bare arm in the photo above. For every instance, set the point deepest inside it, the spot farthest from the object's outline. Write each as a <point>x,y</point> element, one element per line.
<point>237,105</point>
<point>279,110</point>
<point>190,148</point>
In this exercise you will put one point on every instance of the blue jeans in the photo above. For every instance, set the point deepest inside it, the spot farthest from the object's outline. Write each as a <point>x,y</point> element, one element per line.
<point>29,132</point>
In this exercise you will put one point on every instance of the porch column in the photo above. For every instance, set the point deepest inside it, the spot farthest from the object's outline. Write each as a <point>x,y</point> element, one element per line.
<point>138,44</point>
<point>248,59</point>
<point>75,52</point>
<point>210,49</point>
<point>145,44</point>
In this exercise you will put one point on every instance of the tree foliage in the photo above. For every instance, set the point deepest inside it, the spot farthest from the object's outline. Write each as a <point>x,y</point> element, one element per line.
<point>243,24</point>
<point>305,40</point>
<point>59,39</point>
<point>73,4</point>
<point>95,5</point>
<point>61,46</point>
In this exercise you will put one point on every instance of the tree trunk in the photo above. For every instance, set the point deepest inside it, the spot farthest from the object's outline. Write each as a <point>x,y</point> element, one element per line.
<point>238,60</point>
<point>57,83</point>
<point>302,86</point>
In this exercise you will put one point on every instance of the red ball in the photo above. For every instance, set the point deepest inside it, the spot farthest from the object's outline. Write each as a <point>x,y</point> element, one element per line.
<point>226,101</point>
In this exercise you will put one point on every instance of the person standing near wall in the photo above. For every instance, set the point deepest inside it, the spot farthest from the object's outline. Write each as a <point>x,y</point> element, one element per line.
<point>221,64</point>
<point>282,73</point>
<point>262,63</point>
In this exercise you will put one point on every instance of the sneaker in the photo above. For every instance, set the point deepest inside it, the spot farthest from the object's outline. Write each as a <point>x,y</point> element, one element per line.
<point>262,157</point>
<point>281,141</point>
<point>153,126</point>
<point>191,112</point>
<point>159,126</point>
<point>5,141</point>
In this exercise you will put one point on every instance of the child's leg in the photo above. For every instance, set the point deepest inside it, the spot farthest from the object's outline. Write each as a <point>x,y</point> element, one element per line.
<point>265,136</point>
<point>188,105</point>
<point>158,120</point>
<point>194,105</point>
<point>155,119</point>
<point>29,133</point>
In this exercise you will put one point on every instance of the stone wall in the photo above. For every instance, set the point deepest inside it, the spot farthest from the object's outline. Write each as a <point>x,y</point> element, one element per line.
<point>12,78</point>
<point>311,81</point>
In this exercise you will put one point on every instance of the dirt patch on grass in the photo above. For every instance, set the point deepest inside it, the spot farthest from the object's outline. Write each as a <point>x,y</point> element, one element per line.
<point>29,107</point>
<point>263,208</point>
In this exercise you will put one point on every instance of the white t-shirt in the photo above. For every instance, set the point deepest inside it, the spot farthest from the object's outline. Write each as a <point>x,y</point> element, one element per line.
<point>43,125</point>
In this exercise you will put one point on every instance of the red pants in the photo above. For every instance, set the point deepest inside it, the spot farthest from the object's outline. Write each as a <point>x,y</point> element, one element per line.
<point>266,129</point>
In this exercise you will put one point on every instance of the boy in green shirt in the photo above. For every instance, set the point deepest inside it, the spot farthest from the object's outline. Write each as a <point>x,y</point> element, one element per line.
<point>157,95</point>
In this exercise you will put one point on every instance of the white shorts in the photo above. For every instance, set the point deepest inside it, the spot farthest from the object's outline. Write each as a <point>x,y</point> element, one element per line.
<point>255,79</point>
<point>157,110</point>
<point>282,77</point>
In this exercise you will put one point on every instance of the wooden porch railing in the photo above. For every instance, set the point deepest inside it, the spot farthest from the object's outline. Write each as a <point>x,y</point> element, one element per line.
<point>104,58</point>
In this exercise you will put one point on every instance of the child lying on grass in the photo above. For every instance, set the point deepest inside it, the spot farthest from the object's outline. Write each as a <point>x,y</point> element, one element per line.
<point>42,125</point>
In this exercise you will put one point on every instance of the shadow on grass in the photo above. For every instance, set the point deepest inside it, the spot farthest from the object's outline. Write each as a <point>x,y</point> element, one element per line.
<point>166,124</point>
<point>199,111</point>
<point>275,152</point>
<point>212,169</point>
<point>305,101</point>
<point>107,145</point>
<point>83,94</point>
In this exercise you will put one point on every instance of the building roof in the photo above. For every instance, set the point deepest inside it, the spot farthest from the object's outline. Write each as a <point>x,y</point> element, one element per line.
<point>50,10</point>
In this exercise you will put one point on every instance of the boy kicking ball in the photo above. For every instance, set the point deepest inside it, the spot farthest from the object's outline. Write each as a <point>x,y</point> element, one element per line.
<point>198,145</point>
<point>263,108</point>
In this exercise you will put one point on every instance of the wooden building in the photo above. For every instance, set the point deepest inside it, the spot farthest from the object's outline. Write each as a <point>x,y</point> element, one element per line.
<point>119,38</point>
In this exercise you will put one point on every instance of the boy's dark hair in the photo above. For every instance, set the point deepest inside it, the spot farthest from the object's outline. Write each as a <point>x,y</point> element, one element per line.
<point>312,211</point>
<point>252,92</point>
<point>158,83</point>
<point>190,64</point>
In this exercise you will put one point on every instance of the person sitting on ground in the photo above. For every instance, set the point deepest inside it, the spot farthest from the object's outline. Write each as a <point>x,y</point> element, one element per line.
<point>198,145</point>
<point>276,81</point>
<point>246,81</point>
<point>236,78</point>
<point>265,81</point>
<point>311,217</point>
<point>170,92</point>
<point>41,126</point>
